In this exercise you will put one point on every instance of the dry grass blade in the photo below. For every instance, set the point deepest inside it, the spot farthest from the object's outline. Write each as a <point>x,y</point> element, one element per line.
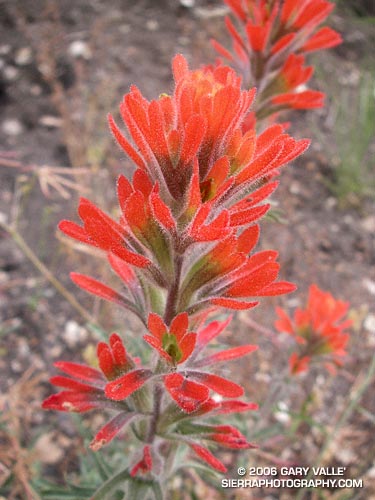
<point>16,461</point>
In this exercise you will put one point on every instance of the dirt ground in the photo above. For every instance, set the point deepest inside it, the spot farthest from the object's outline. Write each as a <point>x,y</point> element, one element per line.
<point>63,67</point>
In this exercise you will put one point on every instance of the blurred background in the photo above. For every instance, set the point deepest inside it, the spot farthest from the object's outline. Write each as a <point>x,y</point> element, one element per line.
<point>63,66</point>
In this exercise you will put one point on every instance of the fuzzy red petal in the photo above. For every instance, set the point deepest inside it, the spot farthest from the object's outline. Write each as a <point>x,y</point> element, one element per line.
<point>124,386</point>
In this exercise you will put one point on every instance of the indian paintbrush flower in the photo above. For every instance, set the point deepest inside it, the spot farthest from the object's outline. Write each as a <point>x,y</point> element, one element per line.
<point>319,330</point>
<point>268,50</point>
<point>183,246</point>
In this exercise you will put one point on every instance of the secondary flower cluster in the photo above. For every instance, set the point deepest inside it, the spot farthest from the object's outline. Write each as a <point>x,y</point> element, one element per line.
<point>123,385</point>
<point>269,49</point>
<point>319,330</point>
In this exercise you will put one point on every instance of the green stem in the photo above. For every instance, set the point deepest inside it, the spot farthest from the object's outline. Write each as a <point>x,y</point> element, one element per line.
<point>158,394</point>
<point>108,486</point>
<point>170,308</point>
<point>103,491</point>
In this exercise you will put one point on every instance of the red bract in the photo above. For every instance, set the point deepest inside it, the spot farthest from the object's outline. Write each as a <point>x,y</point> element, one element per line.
<point>268,47</point>
<point>191,142</point>
<point>86,388</point>
<point>319,329</point>
<point>174,344</point>
<point>197,183</point>
<point>145,464</point>
<point>183,244</point>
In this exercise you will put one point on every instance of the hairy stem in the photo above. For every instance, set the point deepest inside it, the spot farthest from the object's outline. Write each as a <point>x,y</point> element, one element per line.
<point>170,308</point>
<point>158,394</point>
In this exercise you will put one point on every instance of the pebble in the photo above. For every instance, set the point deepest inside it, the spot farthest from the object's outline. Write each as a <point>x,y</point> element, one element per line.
<point>125,29</point>
<point>74,333</point>
<point>12,127</point>
<point>36,90</point>
<point>23,56</point>
<point>16,366</point>
<point>368,224</point>
<point>369,285</point>
<point>335,228</point>
<point>330,203</point>
<point>210,13</point>
<point>295,188</point>
<point>4,49</point>
<point>152,25</point>
<point>369,323</point>
<point>3,218</point>
<point>50,121</point>
<point>79,48</point>
<point>187,3</point>
<point>10,73</point>
<point>47,449</point>
<point>23,348</point>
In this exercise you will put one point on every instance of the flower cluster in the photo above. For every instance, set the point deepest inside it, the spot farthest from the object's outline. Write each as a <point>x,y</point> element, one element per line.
<point>185,237</point>
<point>319,330</point>
<point>120,385</point>
<point>269,49</point>
<point>183,242</point>
<point>182,247</point>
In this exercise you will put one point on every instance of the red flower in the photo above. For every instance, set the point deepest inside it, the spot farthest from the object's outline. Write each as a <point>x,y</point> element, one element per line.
<point>319,329</point>
<point>196,183</point>
<point>208,457</point>
<point>191,142</point>
<point>175,344</point>
<point>145,464</point>
<point>226,274</point>
<point>269,47</point>
<point>86,387</point>
<point>228,436</point>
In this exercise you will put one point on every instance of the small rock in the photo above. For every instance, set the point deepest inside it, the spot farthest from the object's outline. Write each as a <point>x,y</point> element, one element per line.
<point>3,218</point>
<point>23,56</point>
<point>16,366</point>
<point>183,40</point>
<point>10,73</point>
<point>369,285</point>
<point>79,48</point>
<point>263,377</point>
<point>346,456</point>
<point>369,323</point>
<point>4,49</point>
<point>368,224</point>
<point>348,219</point>
<point>210,13</point>
<point>335,228</point>
<point>152,25</point>
<point>12,127</point>
<point>125,29</point>
<point>330,203</point>
<point>55,351</point>
<point>74,334</point>
<point>47,449</point>
<point>50,121</point>
<point>36,90</point>
<point>23,348</point>
<point>187,3</point>
<point>295,188</point>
